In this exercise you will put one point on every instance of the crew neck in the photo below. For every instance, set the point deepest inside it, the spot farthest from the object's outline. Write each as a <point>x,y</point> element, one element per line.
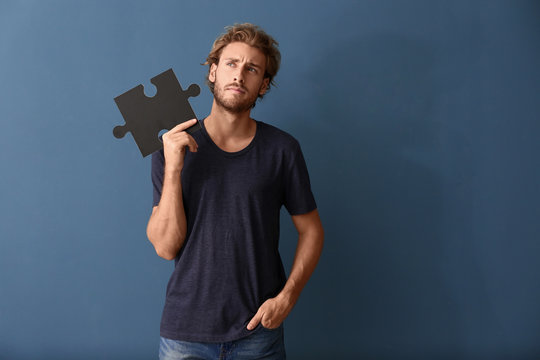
<point>228,153</point>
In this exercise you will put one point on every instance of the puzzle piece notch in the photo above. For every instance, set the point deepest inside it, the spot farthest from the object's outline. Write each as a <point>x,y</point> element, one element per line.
<point>146,116</point>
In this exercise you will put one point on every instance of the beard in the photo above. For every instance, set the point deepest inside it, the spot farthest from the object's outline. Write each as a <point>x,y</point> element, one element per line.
<point>234,103</point>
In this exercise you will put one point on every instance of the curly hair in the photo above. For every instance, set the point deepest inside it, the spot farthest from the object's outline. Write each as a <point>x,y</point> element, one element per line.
<point>251,35</point>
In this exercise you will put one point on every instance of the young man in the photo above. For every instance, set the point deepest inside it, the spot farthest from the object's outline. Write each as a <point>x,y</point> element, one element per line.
<point>216,213</point>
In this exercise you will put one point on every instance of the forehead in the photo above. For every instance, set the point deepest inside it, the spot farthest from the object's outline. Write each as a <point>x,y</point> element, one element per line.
<point>243,52</point>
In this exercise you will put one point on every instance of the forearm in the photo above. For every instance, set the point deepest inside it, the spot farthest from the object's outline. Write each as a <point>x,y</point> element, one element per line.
<point>310,242</point>
<point>167,225</point>
<point>307,255</point>
<point>166,228</point>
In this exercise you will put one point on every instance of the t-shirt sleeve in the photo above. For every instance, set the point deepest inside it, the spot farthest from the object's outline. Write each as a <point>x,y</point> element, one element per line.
<point>298,196</point>
<point>158,162</point>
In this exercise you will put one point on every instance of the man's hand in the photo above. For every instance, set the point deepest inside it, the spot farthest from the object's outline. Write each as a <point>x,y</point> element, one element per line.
<point>271,313</point>
<point>174,145</point>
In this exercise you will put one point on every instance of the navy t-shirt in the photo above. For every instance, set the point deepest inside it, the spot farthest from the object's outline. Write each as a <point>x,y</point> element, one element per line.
<point>229,263</point>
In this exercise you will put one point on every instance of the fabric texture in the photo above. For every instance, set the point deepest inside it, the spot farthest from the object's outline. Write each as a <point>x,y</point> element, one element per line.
<point>267,344</point>
<point>230,263</point>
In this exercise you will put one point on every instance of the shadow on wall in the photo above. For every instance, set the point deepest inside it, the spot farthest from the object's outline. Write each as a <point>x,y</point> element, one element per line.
<point>379,284</point>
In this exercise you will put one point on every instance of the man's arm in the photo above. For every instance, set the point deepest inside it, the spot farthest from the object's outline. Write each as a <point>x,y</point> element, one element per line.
<point>310,243</point>
<point>166,228</point>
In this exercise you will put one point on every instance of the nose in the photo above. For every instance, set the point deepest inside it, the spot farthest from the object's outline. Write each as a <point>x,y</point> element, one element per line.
<point>239,76</point>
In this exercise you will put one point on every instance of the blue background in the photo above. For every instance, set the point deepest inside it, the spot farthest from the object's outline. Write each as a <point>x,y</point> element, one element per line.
<point>419,121</point>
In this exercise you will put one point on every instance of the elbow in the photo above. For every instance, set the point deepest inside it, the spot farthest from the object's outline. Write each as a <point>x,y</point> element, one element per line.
<point>165,250</point>
<point>166,253</point>
<point>162,244</point>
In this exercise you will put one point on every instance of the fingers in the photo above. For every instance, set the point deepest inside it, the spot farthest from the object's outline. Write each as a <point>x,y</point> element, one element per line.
<point>179,140</point>
<point>175,142</point>
<point>177,136</point>
<point>192,144</point>
<point>266,317</point>
<point>255,320</point>
<point>267,322</point>
<point>270,314</point>
<point>183,126</point>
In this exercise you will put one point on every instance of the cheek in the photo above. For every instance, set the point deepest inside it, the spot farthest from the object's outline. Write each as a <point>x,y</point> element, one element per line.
<point>221,76</point>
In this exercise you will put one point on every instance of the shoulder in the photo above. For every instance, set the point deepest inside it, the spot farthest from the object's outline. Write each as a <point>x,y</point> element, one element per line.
<point>277,137</point>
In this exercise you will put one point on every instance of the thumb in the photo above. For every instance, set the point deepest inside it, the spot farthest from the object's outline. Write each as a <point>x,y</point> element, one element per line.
<point>255,320</point>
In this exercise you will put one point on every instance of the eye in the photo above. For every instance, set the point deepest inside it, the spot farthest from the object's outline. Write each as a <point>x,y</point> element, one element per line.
<point>252,69</point>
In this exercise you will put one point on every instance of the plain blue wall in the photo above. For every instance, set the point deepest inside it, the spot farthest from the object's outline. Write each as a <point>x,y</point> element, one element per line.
<point>419,121</point>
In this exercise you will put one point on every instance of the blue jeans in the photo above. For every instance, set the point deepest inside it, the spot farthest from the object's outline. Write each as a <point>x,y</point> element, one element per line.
<point>264,344</point>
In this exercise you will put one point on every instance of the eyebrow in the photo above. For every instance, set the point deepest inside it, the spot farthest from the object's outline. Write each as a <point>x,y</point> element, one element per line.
<point>235,60</point>
<point>254,65</point>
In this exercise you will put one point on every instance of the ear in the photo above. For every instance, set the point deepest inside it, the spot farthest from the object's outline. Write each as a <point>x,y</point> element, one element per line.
<point>212,73</point>
<point>264,86</point>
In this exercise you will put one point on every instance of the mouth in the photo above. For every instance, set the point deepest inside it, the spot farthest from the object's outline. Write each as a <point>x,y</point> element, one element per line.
<point>236,89</point>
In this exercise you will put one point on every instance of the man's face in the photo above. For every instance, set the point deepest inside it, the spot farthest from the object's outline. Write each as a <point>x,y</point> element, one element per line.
<point>238,77</point>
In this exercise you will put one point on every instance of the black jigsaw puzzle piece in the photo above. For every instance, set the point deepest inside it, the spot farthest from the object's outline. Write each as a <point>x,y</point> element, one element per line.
<point>146,116</point>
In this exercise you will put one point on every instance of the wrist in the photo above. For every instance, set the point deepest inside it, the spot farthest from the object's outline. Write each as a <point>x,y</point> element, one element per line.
<point>173,171</point>
<point>288,297</point>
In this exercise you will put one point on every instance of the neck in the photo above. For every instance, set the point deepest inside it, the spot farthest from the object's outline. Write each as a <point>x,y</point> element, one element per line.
<point>230,131</point>
<point>223,123</point>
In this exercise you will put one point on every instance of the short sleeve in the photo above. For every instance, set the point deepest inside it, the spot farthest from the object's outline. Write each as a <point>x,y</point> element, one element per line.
<point>158,162</point>
<point>298,196</point>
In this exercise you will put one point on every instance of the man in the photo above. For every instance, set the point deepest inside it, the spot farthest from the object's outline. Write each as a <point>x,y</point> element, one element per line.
<point>216,213</point>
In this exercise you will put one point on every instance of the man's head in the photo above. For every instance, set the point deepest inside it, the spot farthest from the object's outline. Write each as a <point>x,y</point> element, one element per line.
<point>254,37</point>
